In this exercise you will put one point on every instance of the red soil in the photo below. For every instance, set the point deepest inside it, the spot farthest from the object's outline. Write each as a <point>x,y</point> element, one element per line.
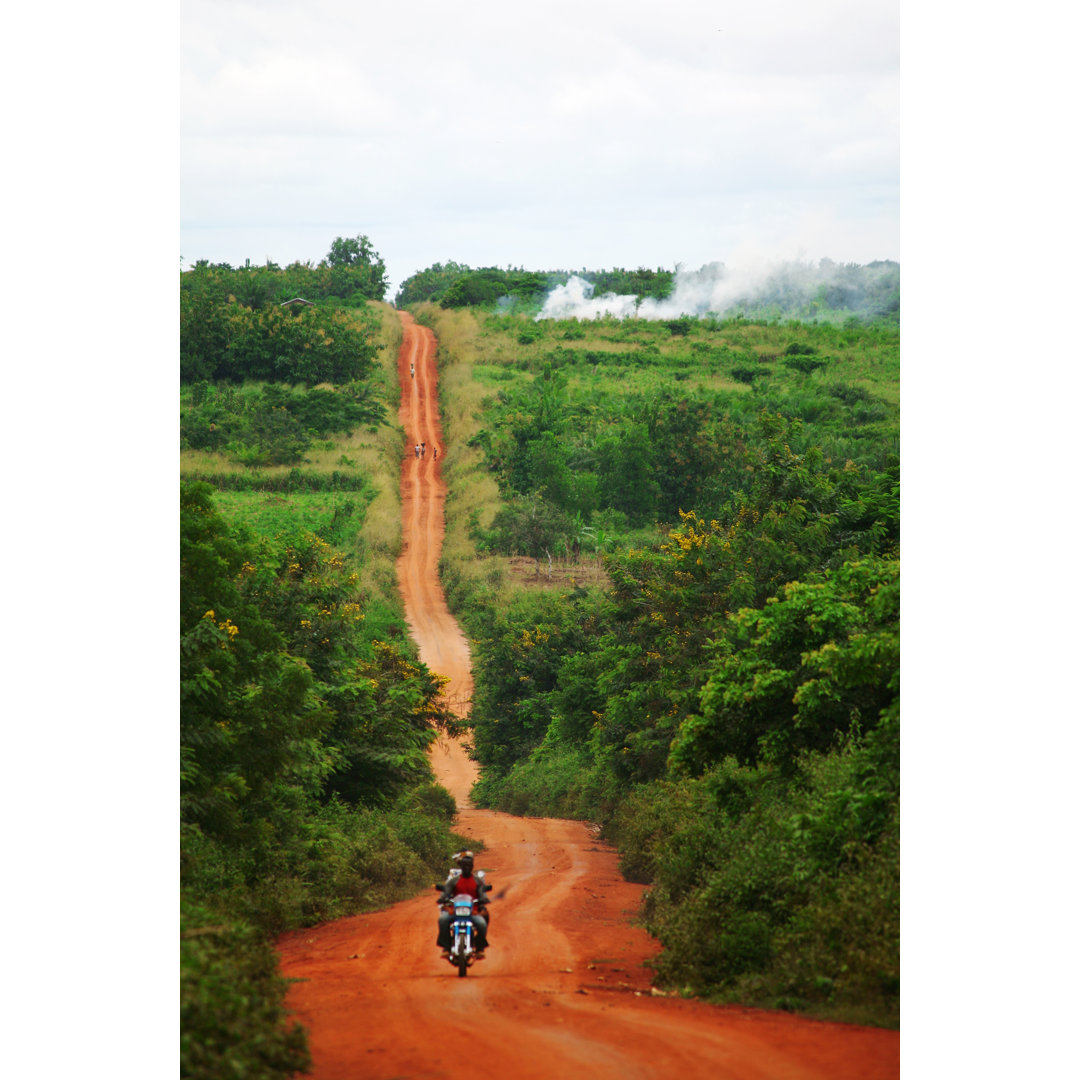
<point>563,986</point>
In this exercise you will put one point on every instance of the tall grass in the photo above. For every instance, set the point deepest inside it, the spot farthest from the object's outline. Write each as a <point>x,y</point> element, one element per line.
<point>473,497</point>
<point>335,516</point>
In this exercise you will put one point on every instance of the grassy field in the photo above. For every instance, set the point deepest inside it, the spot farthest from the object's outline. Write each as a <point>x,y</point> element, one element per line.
<point>699,353</point>
<point>612,364</point>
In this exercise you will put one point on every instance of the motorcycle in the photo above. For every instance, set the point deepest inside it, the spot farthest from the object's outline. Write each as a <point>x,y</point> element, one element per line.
<point>462,953</point>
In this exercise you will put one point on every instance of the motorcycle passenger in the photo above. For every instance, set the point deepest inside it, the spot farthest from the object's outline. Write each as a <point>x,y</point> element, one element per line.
<point>462,880</point>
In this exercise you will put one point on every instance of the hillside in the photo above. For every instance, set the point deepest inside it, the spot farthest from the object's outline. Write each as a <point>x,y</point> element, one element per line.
<point>725,702</point>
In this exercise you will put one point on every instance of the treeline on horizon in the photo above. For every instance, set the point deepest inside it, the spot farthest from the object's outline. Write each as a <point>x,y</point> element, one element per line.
<point>351,273</point>
<point>454,285</point>
<point>833,291</point>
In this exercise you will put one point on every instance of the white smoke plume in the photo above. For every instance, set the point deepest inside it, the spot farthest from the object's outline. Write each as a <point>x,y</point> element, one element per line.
<point>714,289</point>
<point>575,300</point>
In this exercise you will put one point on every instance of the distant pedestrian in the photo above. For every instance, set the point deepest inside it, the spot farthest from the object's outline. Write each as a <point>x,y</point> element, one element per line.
<point>412,370</point>
<point>417,449</point>
<point>423,449</point>
<point>434,453</point>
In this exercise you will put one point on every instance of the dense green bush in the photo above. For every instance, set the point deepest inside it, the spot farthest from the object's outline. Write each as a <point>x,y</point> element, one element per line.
<point>481,288</point>
<point>269,424</point>
<point>233,1023</point>
<point>747,375</point>
<point>807,365</point>
<point>429,284</point>
<point>553,781</point>
<point>820,659</point>
<point>528,526</point>
<point>781,892</point>
<point>223,339</point>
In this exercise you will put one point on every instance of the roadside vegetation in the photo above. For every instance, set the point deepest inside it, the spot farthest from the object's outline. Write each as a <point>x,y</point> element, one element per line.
<point>306,792</point>
<point>704,655</point>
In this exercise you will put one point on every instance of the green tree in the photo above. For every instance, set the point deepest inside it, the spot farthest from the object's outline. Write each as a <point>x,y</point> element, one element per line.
<point>221,339</point>
<point>530,525</point>
<point>249,715</point>
<point>520,653</point>
<point>430,284</point>
<point>480,288</point>
<point>356,269</point>
<point>686,453</point>
<point>386,712</point>
<point>817,663</point>
<point>626,473</point>
<point>204,330</point>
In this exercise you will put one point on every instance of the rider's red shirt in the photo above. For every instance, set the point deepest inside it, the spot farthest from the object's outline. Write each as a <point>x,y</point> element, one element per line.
<point>467,885</point>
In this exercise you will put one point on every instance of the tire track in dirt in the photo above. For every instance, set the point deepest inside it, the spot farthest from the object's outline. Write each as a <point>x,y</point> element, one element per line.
<point>564,986</point>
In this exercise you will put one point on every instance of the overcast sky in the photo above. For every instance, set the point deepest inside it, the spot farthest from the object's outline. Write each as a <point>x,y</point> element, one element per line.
<point>565,135</point>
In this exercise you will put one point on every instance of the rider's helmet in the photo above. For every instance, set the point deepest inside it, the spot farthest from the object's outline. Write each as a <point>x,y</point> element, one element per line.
<point>464,859</point>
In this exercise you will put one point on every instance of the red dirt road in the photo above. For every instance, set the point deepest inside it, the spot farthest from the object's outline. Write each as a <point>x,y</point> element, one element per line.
<point>563,987</point>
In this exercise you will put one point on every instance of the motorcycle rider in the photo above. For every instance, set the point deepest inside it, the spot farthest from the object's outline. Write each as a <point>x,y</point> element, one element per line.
<point>462,880</point>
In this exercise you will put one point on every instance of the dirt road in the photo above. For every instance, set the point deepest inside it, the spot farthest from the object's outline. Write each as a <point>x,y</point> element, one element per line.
<point>564,987</point>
